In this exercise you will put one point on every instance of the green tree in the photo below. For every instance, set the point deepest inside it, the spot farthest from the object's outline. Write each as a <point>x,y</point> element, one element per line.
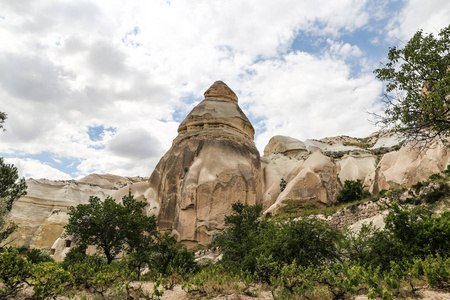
<point>239,240</point>
<point>112,227</point>
<point>417,80</point>
<point>2,119</point>
<point>308,241</point>
<point>352,191</point>
<point>11,189</point>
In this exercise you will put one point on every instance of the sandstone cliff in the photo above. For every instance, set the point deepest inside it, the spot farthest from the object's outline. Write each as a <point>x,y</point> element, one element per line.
<point>212,163</point>
<point>42,213</point>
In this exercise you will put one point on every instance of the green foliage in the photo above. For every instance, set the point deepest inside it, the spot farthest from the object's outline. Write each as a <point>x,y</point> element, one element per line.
<point>240,238</point>
<point>417,233</point>
<point>409,233</point>
<point>36,256</point>
<point>83,267</point>
<point>14,271</point>
<point>423,62</point>
<point>283,184</point>
<point>49,280</point>
<point>308,241</point>
<point>169,256</point>
<point>437,270</point>
<point>11,189</point>
<point>113,227</point>
<point>352,191</point>
<point>3,117</point>
<point>340,279</point>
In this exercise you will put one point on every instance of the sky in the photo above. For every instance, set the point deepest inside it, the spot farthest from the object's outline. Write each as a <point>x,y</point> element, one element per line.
<point>100,86</point>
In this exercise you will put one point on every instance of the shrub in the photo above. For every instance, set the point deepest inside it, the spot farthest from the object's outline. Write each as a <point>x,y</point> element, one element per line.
<point>36,256</point>
<point>309,241</point>
<point>50,280</point>
<point>239,240</point>
<point>352,191</point>
<point>14,271</point>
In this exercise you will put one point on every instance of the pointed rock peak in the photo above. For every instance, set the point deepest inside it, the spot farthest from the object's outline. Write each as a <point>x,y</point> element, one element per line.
<point>220,91</point>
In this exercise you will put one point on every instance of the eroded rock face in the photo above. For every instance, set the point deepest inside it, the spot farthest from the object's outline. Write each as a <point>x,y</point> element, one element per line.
<point>212,163</point>
<point>312,182</point>
<point>407,166</point>
<point>42,213</point>
<point>316,177</point>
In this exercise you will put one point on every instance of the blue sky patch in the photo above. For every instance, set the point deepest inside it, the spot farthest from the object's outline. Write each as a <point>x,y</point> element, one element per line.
<point>67,165</point>
<point>96,132</point>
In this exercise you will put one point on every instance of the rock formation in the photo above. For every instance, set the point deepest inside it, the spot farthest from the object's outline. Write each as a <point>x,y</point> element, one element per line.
<point>42,213</point>
<point>212,163</point>
<point>315,171</point>
<point>407,166</point>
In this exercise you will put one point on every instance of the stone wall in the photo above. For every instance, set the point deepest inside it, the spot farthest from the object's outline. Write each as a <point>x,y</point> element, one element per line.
<point>352,214</point>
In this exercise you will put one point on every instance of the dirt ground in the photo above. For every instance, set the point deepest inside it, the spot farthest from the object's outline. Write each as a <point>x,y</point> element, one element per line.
<point>177,293</point>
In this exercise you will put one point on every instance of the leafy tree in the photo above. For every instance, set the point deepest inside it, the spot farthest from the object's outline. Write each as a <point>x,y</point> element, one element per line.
<point>308,241</point>
<point>2,119</point>
<point>352,191</point>
<point>11,189</point>
<point>112,227</point>
<point>169,256</point>
<point>239,240</point>
<point>418,87</point>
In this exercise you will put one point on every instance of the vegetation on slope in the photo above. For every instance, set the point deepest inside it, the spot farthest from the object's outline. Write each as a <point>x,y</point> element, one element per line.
<point>293,259</point>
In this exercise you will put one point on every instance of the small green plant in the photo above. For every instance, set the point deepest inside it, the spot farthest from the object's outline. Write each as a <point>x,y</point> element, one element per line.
<point>283,184</point>
<point>352,191</point>
<point>36,256</point>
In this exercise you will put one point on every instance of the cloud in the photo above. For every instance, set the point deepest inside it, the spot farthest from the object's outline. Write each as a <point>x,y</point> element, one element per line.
<point>431,16</point>
<point>342,50</point>
<point>137,144</point>
<point>31,77</point>
<point>305,96</point>
<point>32,168</point>
<point>140,66</point>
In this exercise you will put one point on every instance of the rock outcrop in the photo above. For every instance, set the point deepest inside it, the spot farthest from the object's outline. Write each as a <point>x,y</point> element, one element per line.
<point>315,170</point>
<point>407,166</point>
<point>42,213</point>
<point>212,163</point>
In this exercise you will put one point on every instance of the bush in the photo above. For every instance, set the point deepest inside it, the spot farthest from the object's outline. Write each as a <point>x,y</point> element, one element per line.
<point>169,256</point>
<point>50,280</point>
<point>239,240</point>
<point>14,271</point>
<point>36,256</point>
<point>352,191</point>
<point>309,241</point>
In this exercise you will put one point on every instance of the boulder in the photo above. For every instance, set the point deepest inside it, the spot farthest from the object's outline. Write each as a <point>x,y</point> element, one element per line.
<point>285,145</point>
<point>213,162</point>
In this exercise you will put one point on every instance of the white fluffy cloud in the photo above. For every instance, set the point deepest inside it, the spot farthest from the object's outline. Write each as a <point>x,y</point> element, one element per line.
<point>136,68</point>
<point>430,16</point>
<point>32,168</point>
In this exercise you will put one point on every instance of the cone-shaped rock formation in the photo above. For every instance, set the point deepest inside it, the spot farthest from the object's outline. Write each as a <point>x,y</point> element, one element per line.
<point>212,163</point>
